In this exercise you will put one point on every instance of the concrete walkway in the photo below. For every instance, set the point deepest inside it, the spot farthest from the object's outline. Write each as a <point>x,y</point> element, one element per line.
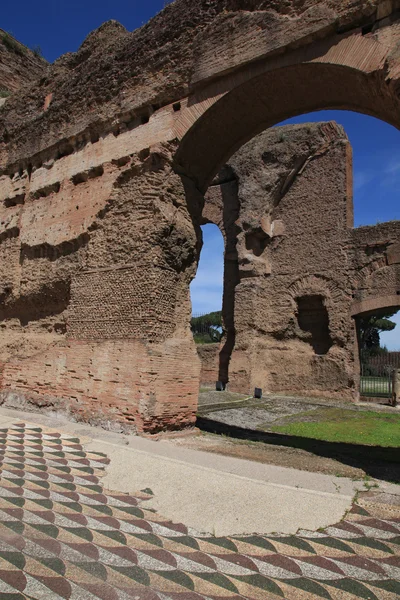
<point>64,534</point>
<point>210,493</point>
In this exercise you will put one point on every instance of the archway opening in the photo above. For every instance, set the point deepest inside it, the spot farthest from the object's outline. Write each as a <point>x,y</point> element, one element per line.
<point>207,290</point>
<point>379,352</point>
<point>374,170</point>
<point>338,263</point>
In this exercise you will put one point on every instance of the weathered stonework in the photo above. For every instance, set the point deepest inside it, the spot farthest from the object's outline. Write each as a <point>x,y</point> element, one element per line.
<point>290,191</point>
<point>102,264</point>
<point>19,66</point>
<point>303,274</point>
<point>103,165</point>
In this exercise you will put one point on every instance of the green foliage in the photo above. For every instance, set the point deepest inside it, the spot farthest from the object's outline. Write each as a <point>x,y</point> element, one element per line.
<point>12,45</point>
<point>370,329</point>
<point>5,93</point>
<point>37,51</point>
<point>207,329</point>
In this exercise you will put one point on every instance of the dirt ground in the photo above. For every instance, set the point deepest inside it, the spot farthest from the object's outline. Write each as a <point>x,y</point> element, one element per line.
<point>273,455</point>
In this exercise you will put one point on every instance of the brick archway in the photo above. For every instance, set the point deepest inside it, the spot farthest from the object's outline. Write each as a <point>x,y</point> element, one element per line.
<point>351,74</point>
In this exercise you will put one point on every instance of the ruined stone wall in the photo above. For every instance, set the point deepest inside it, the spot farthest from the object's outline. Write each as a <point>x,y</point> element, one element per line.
<point>19,66</point>
<point>284,206</point>
<point>94,291</point>
<point>209,355</point>
<point>118,75</point>
<point>377,264</point>
<point>99,236</point>
<point>290,239</point>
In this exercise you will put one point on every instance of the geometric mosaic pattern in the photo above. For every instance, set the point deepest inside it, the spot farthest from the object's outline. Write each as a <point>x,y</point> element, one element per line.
<point>63,536</point>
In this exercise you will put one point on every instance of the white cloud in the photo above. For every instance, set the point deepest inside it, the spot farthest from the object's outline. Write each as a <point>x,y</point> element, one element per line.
<point>393,168</point>
<point>361,179</point>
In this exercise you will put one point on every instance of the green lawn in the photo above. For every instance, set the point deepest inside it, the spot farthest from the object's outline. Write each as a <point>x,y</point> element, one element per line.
<point>353,427</point>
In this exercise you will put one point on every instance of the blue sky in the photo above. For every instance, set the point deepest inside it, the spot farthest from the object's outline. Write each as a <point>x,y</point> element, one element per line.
<point>61,26</point>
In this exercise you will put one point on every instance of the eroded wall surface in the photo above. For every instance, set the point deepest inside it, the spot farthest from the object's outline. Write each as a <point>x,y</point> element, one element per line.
<point>303,274</point>
<point>19,66</point>
<point>103,163</point>
<point>377,260</point>
<point>94,291</point>
<point>292,236</point>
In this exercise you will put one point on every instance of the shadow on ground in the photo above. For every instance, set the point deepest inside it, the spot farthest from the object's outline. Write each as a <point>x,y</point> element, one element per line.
<point>377,462</point>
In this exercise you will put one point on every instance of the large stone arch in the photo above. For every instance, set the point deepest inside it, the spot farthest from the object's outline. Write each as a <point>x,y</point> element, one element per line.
<point>354,72</point>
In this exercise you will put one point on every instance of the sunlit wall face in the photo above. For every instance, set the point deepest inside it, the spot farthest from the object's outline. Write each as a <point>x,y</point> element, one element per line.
<point>376,163</point>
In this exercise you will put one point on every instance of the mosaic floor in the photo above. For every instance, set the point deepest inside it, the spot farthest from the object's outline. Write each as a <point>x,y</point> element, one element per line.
<point>63,536</point>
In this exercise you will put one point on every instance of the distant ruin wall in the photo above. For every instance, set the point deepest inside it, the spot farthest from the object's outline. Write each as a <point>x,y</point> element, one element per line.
<point>377,261</point>
<point>209,357</point>
<point>291,220</point>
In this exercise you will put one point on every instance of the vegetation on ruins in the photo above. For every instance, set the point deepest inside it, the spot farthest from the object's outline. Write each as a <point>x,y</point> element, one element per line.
<point>37,51</point>
<point>12,45</point>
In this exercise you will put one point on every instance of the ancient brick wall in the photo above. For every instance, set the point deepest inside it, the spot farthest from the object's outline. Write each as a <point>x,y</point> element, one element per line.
<point>209,355</point>
<point>284,206</point>
<point>290,238</point>
<point>95,291</point>
<point>377,263</point>
<point>103,164</point>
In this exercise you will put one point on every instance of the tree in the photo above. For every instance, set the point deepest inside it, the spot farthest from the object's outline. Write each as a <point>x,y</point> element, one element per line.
<point>370,329</point>
<point>207,328</point>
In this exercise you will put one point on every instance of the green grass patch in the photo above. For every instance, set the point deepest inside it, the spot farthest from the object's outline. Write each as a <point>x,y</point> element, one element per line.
<point>203,338</point>
<point>352,427</point>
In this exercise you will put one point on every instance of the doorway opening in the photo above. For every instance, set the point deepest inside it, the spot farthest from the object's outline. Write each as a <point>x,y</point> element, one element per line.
<point>206,292</point>
<point>379,352</point>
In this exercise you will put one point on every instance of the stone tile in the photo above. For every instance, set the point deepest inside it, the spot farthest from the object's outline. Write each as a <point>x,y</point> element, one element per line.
<point>62,535</point>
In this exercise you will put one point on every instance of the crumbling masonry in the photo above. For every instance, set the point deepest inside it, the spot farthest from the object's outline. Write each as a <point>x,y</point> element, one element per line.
<point>297,272</point>
<point>104,162</point>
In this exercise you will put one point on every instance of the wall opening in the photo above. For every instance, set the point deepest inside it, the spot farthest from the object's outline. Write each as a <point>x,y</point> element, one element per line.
<point>213,289</point>
<point>379,352</point>
<point>313,320</point>
<point>206,289</point>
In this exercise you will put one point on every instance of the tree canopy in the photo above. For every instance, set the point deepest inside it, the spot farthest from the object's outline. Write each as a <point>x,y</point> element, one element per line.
<point>207,328</point>
<point>371,327</point>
